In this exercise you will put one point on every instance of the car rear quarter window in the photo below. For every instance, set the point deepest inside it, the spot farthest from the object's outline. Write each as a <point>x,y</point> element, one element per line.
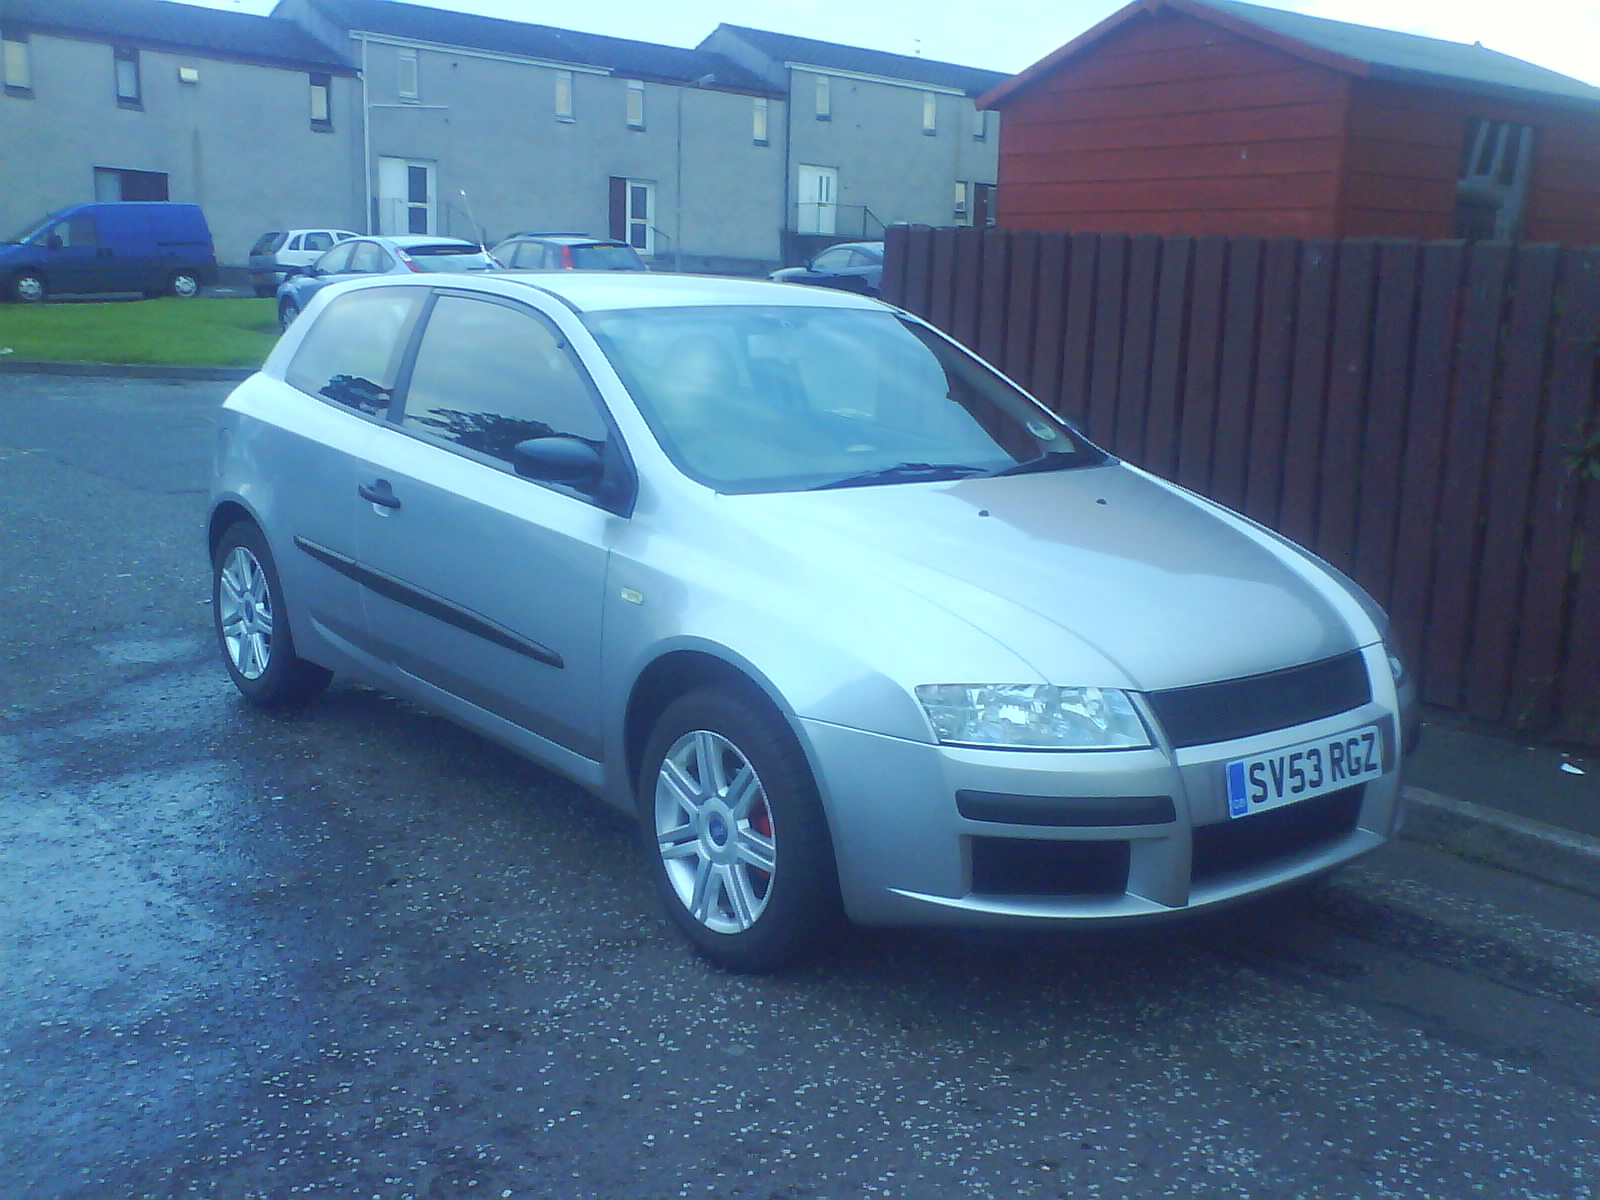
<point>351,355</point>
<point>268,243</point>
<point>336,260</point>
<point>490,375</point>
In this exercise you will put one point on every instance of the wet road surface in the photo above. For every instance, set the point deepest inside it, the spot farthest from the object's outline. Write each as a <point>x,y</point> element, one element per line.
<point>356,952</point>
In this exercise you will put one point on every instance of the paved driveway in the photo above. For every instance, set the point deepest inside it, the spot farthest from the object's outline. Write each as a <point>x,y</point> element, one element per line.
<point>355,952</point>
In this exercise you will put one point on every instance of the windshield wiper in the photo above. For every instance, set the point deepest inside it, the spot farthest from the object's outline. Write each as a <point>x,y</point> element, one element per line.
<point>905,472</point>
<point>1050,460</point>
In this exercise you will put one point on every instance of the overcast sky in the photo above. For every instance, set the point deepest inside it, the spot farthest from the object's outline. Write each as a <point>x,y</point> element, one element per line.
<point>1007,35</point>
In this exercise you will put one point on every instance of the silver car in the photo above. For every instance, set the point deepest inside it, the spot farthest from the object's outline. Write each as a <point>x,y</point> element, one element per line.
<point>854,626</point>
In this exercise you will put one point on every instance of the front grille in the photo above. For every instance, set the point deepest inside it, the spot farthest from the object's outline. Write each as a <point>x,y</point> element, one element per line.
<point>1235,708</point>
<point>1025,867</point>
<point>1239,845</point>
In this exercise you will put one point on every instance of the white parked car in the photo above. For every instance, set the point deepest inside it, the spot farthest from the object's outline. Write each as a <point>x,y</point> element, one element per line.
<point>282,248</point>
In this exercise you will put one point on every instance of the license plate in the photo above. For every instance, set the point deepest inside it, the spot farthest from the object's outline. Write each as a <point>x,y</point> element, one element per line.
<point>1300,772</point>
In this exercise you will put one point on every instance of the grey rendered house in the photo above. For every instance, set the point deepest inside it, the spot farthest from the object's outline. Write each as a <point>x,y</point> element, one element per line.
<point>141,100</point>
<point>748,151</point>
<point>479,127</point>
<point>873,138</point>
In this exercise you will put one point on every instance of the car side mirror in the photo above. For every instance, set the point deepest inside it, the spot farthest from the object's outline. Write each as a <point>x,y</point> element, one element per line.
<point>558,459</point>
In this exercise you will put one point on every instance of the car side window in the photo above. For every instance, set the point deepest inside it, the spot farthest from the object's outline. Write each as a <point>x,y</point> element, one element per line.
<point>369,259</point>
<point>335,261</point>
<point>295,243</point>
<point>530,256</point>
<point>489,375</point>
<point>831,260</point>
<point>352,354</point>
<point>318,241</point>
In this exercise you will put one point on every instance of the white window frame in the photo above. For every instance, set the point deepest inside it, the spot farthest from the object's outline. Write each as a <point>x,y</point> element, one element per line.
<point>16,66</point>
<point>408,77</point>
<point>963,204</point>
<point>930,114</point>
<point>639,228</point>
<point>635,104</point>
<point>824,99</point>
<point>564,96</point>
<point>759,113</point>
<point>130,77</point>
<point>321,90</point>
<point>980,125</point>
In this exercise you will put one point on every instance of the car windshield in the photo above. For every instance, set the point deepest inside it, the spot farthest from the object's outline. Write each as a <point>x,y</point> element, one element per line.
<point>449,258</point>
<point>268,243</point>
<point>766,399</point>
<point>28,232</point>
<point>606,258</point>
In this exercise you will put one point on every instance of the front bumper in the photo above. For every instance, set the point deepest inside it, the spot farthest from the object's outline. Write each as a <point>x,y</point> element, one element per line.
<point>940,835</point>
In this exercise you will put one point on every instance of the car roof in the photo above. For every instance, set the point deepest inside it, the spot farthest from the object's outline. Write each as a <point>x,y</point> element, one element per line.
<point>403,240</point>
<point>565,239</point>
<point>604,291</point>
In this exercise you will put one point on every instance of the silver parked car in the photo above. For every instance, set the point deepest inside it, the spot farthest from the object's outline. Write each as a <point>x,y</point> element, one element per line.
<point>851,623</point>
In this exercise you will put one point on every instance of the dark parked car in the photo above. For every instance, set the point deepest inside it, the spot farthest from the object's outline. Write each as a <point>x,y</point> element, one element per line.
<point>849,266</point>
<point>567,252</point>
<point>400,255</point>
<point>153,247</point>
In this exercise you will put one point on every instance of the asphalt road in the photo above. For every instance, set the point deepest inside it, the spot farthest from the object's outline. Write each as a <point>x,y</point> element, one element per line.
<point>357,953</point>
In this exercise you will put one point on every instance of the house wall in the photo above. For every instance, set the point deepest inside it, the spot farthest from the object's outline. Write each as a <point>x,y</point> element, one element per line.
<point>239,142</point>
<point>1405,152</point>
<point>1172,125</point>
<point>886,163</point>
<point>488,126</point>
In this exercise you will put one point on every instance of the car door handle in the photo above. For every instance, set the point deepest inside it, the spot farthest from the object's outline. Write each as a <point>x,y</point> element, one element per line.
<point>379,491</point>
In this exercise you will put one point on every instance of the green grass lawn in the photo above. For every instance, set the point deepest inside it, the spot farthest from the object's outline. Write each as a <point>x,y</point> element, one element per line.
<point>191,333</point>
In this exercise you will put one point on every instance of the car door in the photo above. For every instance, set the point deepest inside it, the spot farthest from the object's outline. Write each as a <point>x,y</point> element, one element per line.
<point>74,260</point>
<point>348,364</point>
<point>487,586</point>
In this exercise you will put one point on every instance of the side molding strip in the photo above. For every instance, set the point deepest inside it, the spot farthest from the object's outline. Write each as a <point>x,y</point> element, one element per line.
<point>433,606</point>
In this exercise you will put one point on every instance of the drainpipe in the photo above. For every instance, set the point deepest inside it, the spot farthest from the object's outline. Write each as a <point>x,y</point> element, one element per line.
<point>366,142</point>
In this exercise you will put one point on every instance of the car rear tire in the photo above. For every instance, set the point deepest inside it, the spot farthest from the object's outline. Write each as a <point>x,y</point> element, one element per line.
<point>253,626</point>
<point>183,285</point>
<point>288,310</point>
<point>733,831</point>
<point>27,287</point>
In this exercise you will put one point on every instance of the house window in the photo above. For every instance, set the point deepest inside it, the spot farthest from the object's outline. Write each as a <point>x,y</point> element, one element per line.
<point>410,80</point>
<point>930,114</point>
<point>824,100</point>
<point>632,212</point>
<point>15,67</point>
<point>1492,184</point>
<point>635,104</point>
<point>321,106</point>
<point>564,96</point>
<point>128,90</point>
<point>980,125</point>
<point>963,206</point>
<point>758,120</point>
<point>118,183</point>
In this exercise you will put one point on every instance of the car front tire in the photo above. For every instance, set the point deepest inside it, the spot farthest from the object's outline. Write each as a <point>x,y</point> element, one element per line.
<point>734,834</point>
<point>252,624</point>
<point>27,287</point>
<point>183,285</point>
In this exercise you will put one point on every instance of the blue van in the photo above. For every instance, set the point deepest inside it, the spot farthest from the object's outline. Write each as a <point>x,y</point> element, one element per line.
<point>154,247</point>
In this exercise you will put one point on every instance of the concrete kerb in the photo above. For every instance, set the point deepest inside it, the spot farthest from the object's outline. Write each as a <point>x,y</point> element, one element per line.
<point>1503,840</point>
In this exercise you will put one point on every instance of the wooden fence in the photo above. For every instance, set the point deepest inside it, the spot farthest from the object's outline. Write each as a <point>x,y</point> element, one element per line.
<point>1408,410</point>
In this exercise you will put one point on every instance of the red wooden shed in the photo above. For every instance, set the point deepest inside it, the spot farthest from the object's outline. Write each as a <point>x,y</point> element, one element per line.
<point>1210,116</point>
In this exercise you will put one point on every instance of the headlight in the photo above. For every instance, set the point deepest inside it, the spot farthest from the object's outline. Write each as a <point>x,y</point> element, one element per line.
<point>1033,716</point>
